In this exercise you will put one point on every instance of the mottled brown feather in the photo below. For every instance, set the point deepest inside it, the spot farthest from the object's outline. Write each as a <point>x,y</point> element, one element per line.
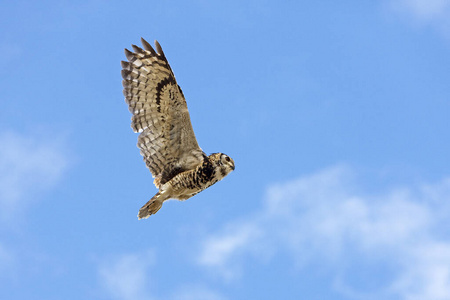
<point>167,141</point>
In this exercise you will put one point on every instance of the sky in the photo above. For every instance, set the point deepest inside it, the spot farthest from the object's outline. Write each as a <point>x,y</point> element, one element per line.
<point>336,114</point>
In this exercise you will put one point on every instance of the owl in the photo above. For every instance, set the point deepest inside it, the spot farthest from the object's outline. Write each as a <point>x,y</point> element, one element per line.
<point>166,141</point>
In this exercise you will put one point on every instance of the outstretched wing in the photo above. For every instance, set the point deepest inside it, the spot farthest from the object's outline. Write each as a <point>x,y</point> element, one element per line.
<point>167,141</point>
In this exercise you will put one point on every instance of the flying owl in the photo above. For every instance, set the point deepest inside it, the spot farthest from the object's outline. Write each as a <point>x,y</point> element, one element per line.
<point>166,141</point>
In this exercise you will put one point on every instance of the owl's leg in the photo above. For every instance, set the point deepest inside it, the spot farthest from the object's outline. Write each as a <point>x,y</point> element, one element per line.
<point>152,206</point>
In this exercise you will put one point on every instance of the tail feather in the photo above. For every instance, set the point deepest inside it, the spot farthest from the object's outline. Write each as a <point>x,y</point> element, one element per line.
<point>151,207</point>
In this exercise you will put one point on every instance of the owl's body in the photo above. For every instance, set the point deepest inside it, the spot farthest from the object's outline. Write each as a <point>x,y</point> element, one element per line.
<point>167,141</point>
<point>189,183</point>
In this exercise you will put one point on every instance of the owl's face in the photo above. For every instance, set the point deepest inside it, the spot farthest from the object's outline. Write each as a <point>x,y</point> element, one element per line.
<point>223,164</point>
<point>227,163</point>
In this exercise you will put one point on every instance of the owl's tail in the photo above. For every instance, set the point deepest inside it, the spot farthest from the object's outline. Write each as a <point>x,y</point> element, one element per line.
<point>152,206</point>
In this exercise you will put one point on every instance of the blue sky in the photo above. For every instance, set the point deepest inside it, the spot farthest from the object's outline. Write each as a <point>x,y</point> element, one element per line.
<point>335,112</point>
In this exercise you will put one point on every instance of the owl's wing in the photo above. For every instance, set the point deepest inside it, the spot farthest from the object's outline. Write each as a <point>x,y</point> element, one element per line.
<point>167,141</point>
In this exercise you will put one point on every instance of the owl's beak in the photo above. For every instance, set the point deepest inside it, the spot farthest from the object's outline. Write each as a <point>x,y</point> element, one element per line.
<point>232,166</point>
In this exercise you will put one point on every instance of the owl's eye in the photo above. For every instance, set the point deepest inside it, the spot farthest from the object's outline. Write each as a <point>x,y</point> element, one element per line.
<point>227,158</point>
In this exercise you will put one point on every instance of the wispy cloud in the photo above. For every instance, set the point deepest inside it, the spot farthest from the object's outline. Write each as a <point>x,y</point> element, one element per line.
<point>29,164</point>
<point>426,10</point>
<point>126,277</point>
<point>435,13</point>
<point>196,293</point>
<point>9,52</point>
<point>6,261</point>
<point>129,277</point>
<point>326,218</point>
<point>224,251</point>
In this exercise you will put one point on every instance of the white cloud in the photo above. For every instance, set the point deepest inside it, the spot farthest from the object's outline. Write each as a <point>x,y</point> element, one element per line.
<point>127,277</point>
<point>426,12</point>
<point>28,165</point>
<point>10,52</point>
<point>218,251</point>
<point>196,293</point>
<point>6,261</point>
<point>326,219</point>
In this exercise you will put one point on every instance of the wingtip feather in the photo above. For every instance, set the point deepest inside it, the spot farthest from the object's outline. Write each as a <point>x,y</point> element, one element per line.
<point>159,49</point>
<point>137,49</point>
<point>147,46</point>
<point>125,74</point>
<point>129,54</point>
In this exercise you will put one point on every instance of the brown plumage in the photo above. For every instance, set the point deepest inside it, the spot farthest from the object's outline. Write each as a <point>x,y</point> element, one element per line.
<point>166,141</point>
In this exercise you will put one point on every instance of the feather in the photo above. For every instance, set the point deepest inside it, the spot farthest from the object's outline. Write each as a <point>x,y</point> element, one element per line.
<point>147,46</point>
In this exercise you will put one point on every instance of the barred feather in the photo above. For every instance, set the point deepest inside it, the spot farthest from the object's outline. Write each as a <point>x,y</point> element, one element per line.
<point>167,140</point>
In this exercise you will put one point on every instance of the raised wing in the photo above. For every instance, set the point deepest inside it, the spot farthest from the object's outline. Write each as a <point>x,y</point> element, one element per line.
<point>167,141</point>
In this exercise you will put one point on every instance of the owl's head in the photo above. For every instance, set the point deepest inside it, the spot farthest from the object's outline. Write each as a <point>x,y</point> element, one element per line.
<point>223,162</point>
<point>227,162</point>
